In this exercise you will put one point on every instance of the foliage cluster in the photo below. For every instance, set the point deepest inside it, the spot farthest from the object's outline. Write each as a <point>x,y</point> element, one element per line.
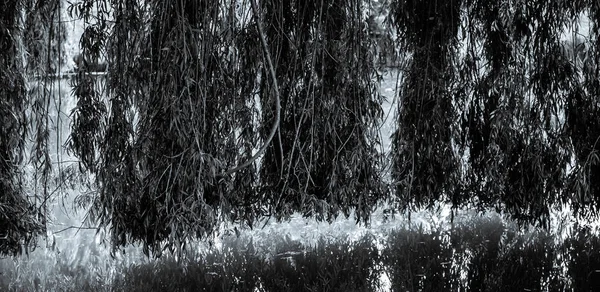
<point>477,255</point>
<point>487,83</point>
<point>495,111</point>
<point>328,266</point>
<point>190,98</point>
<point>20,222</point>
<point>482,254</point>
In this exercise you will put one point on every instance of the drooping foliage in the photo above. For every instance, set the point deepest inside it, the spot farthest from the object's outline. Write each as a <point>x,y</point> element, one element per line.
<point>19,221</point>
<point>424,159</point>
<point>43,36</point>
<point>324,158</point>
<point>191,97</point>
<point>494,84</point>
<point>498,108</point>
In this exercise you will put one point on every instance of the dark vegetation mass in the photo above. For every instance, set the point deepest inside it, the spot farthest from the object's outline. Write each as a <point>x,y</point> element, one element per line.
<point>481,254</point>
<point>217,111</point>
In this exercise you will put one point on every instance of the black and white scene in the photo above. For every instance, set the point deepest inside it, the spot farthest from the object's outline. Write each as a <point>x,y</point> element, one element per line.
<point>300,145</point>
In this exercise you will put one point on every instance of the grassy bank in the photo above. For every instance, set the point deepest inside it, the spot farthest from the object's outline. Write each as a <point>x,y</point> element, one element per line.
<point>473,254</point>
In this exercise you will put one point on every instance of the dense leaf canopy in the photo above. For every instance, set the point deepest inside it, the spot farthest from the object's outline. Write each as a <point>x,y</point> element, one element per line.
<point>20,221</point>
<point>498,108</point>
<point>191,97</point>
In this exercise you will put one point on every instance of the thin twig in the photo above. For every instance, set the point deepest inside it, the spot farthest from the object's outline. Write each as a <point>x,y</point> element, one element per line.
<point>267,56</point>
<point>75,227</point>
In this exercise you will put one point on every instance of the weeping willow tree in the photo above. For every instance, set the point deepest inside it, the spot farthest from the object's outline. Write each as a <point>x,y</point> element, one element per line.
<point>226,111</point>
<point>216,111</point>
<point>21,218</point>
<point>497,109</point>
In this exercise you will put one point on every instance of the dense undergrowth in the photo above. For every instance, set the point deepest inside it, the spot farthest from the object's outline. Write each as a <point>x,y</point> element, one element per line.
<point>477,254</point>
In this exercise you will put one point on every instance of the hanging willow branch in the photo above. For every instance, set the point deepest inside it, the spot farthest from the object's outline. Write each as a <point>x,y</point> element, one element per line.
<point>494,111</point>
<point>267,56</point>
<point>20,222</point>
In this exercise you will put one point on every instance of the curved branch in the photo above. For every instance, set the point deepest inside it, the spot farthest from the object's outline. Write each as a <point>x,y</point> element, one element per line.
<point>267,55</point>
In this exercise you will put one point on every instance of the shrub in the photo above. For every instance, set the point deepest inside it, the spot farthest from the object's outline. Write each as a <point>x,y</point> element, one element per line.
<point>525,263</point>
<point>418,261</point>
<point>582,253</point>
<point>476,245</point>
<point>328,266</point>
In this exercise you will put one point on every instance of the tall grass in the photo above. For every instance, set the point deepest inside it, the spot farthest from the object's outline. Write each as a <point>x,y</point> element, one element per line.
<point>475,254</point>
